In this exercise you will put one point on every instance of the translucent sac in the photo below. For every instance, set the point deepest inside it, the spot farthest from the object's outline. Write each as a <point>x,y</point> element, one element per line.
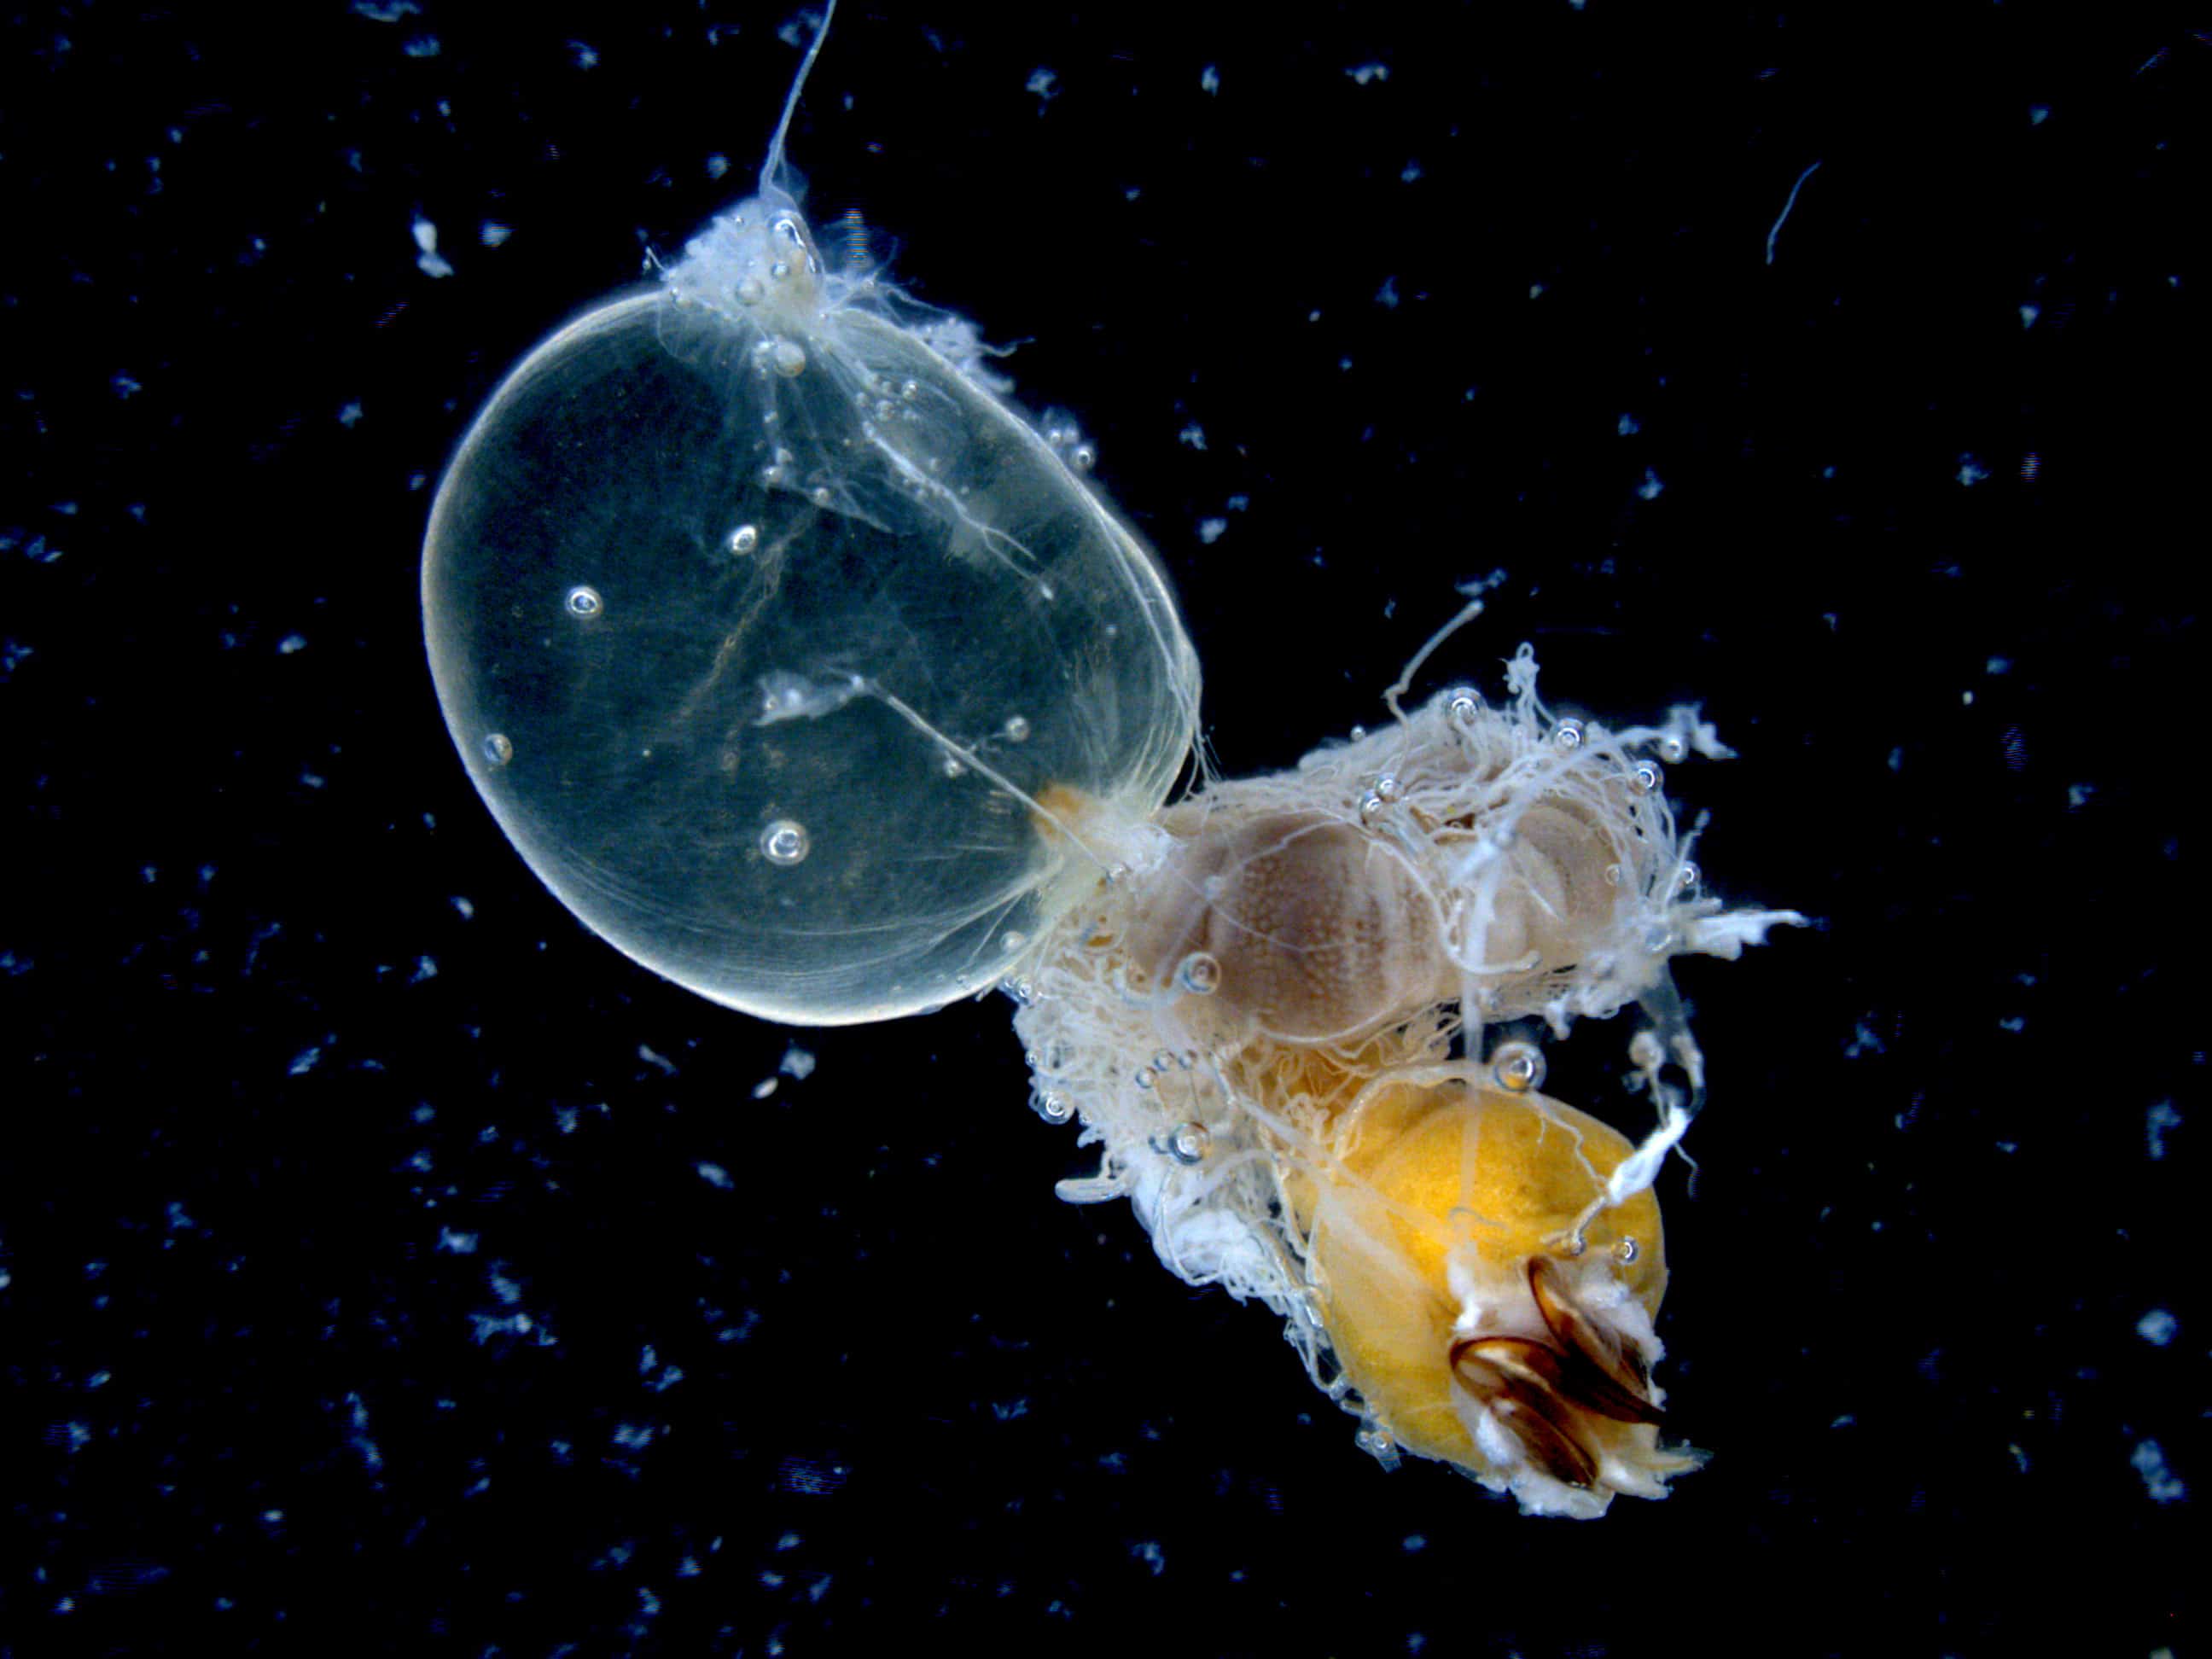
<point>846,611</point>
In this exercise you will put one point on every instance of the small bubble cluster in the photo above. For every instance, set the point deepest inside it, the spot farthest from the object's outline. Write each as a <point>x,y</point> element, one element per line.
<point>1190,1143</point>
<point>1199,973</point>
<point>785,841</point>
<point>1517,1067</point>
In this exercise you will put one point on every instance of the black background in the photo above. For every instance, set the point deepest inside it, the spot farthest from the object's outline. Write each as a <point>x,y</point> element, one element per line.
<point>361,1289</point>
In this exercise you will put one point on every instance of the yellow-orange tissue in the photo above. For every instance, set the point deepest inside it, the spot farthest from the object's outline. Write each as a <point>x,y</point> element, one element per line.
<point>1476,1324</point>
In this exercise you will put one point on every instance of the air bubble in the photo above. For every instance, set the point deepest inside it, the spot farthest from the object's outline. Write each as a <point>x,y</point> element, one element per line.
<point>1013,938</point>
<point>1017,728</point>
<point>954,767</point>
<point>1627,1251</point>
<point>1687,880</point>
<point>1052,1108</point>
<point>1199,973</point>
<point>498,749</point>
<point>819,496</point>
<point>1672,749</point>
<point>1083,457</point>
<point>1190,1143</point>
<point>1645,777</point>
<point>785,841</point>
<point>585,602</point>
<point>1568,734</point>
<point>1517,1067</point>
<point>1387,788</point>
<point>1144,1076</point>
<point>744,538</point>
<point>1461,704</point>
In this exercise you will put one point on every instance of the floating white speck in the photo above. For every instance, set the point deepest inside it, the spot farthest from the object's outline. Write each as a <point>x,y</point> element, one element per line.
<point>2160,1484</point>
<point>429,262</point>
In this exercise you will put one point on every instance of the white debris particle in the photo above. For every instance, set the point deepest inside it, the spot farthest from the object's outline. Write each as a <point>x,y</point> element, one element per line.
<point>429,262</point>
<point>290,643</point>
<point>2157,1327</point>
<point>1210,529</point>
<point>713,1174</point>
<point>2160,1484</point>
<point>1367,74</point>
<point>1209,79</point>
<point>797,1062</point>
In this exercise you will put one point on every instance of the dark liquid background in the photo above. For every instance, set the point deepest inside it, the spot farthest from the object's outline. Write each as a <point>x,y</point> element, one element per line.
<point>390,1266</point>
